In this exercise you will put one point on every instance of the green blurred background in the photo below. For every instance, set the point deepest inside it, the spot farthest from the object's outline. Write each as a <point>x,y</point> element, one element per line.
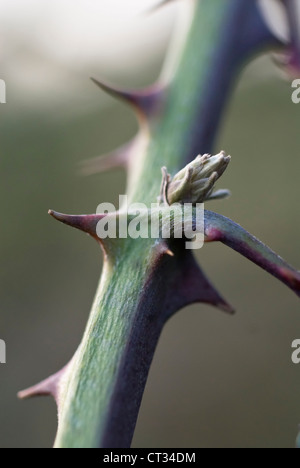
<point>216,381</point>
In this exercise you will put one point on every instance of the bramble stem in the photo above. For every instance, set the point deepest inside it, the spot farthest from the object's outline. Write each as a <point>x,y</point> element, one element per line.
<point>101,393</point>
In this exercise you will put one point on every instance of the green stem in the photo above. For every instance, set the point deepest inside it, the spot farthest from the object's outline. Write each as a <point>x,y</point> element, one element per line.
<point>101,393</point>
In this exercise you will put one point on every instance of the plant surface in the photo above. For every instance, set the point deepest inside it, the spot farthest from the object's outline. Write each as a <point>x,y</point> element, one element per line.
<point>145,281</point>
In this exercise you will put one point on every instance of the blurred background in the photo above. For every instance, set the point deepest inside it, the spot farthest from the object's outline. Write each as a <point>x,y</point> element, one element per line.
<point>216,381</point>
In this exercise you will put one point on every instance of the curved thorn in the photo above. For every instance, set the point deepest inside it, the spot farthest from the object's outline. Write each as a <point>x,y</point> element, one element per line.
<point>158,6</point>
<point>190,286</point>
<point>163,249</point>
<point>170,253</point>
<point>114,160</point>
<point>121,157</point>
<point>85,223</point>
<point>48,387</point>
<point>220,194</point>
<point>220,228</point>
<point>115,91</point>
<point>147,102</point>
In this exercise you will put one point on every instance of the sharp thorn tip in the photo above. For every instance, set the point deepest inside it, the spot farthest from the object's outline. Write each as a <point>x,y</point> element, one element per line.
<point>170,253</point>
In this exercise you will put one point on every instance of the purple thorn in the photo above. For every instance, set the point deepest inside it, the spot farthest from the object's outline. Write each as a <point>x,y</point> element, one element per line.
<point>85,223</point>
<point>147,102</point>
<point>48,387</point>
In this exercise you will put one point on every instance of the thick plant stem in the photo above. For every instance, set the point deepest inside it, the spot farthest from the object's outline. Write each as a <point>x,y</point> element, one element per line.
<point>222,37</point>
<point>100,395</point>
<point>89,397</point>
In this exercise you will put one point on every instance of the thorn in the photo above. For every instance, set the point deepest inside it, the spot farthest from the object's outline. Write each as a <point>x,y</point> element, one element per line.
<point>48,387</point>
<point>170,253</point>
<point>113,160</point>
<point>158,6</point>
<point>45,388</point>
<point>147,102</point>
<point>190,286</point>
<point>120,158</point>
<point>163,249</point>
<point>220,194</point>
<point>226,308</point>
<point>85,223</point>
